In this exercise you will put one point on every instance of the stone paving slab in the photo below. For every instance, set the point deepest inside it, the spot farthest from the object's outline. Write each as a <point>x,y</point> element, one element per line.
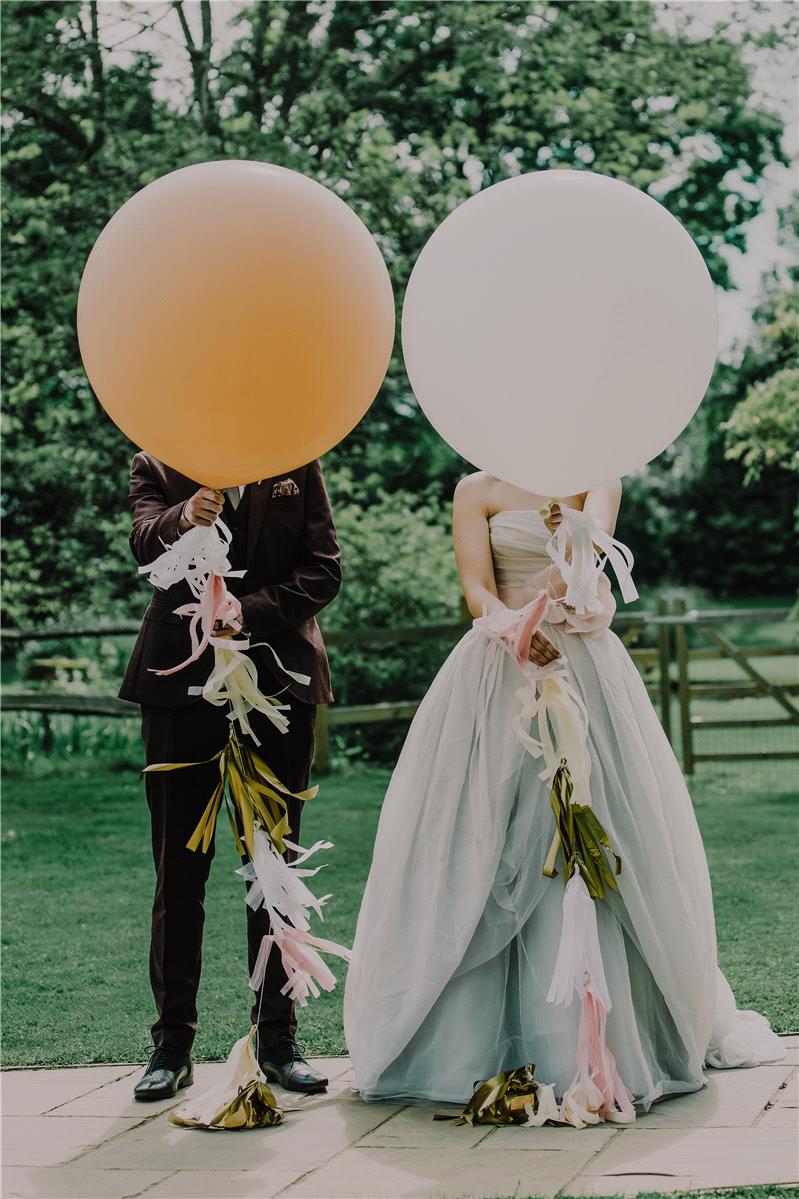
<point>783,1111</point>
<point>78,1133</point>
<point>53,1140</point>
<point>446,1172</point>
<point>731,1099</point>
<point>237,1184</point>
<point>22,1182</point>
<point>791,1050</point>
<point>116,1098</point>
<point>709,1157</point>
<point>415,1128</point>
<point>309,1138</point>
<point>34,1092</point>
<point>629,1184</point>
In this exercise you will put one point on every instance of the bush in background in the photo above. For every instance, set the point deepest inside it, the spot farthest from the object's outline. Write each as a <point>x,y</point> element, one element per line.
<point>398,570</point>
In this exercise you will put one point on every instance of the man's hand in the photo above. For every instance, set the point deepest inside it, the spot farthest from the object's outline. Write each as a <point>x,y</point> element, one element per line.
<point>202,509</point>
<point>226,630</point>
<point>542,651</point>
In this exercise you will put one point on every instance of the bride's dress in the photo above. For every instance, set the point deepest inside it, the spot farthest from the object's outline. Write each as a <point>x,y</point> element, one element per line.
<point>459,928</point>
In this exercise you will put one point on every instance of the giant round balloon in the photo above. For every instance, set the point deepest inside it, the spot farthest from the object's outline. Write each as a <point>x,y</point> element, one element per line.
<point>559,330</point>
<point>235,320</point>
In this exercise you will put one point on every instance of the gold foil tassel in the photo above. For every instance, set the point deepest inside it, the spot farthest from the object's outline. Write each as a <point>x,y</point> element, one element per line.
<point>253,789</point>
<point>241,1099</point>
<point>581,838</point>
<point>511,1097</point>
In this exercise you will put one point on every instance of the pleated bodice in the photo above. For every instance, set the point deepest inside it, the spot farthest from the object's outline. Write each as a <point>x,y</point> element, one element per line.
<point>518,546</point>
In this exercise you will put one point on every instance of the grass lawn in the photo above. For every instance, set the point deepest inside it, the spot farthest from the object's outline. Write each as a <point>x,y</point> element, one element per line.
<point>77,885</point>
<point>760,1192</point>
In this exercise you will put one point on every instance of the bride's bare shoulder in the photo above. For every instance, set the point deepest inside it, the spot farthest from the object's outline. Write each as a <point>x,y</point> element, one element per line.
<point>472,491</point>
<point>473,484</point>
<point>473,488</point>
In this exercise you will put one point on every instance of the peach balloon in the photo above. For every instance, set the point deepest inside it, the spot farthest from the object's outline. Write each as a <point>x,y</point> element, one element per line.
<point>235,320</point>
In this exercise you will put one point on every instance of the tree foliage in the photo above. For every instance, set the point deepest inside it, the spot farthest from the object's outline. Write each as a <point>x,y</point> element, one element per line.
<point>404,109</point>
<point>763,428</point>
<point>721,502</point>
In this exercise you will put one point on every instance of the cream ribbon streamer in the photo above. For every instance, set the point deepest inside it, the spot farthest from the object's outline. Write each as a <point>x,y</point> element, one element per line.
<point>571,548</point>
<point>235,681</point>
<point>556,703</point>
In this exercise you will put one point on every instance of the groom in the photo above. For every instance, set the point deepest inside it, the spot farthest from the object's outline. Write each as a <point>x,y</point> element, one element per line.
<point>283,536</point>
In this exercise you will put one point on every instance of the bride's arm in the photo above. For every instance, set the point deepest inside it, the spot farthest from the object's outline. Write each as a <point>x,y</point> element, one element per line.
<point>472,545</point>
<point>602,505</point>
<point>475,563</point>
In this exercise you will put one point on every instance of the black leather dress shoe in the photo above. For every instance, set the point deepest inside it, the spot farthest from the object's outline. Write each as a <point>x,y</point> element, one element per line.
<point>284,1064</point>
<point>168,1071</point>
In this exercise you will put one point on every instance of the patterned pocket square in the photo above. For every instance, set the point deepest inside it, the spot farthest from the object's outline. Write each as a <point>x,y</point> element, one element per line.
<point>285,487</point>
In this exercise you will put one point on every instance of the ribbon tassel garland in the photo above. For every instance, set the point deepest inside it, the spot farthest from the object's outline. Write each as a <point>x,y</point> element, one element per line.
<point>590,864</point>
<point>256,804</point>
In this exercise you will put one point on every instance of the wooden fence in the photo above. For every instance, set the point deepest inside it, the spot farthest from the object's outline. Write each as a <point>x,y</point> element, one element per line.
<point>664,665</point>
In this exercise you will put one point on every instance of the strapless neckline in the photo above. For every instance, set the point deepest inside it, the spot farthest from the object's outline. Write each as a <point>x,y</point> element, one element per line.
<point>521,511</point>
<point>515,511</point>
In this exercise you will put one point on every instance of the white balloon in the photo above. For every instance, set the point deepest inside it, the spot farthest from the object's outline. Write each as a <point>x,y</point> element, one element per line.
<point>559,330</point>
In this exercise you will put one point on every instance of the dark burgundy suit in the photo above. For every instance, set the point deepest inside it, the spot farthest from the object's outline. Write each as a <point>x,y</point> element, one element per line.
<point>283,535</point>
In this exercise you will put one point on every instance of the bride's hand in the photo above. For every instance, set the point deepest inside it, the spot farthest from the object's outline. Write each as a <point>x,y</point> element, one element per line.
<point>552,516</point>
<point>542,651</point>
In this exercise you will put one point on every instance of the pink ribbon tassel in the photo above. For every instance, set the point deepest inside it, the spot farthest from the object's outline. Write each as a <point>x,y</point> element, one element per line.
<point>597,1089</point>
<point>214,603</point>
<point>306,971</point>
<point>514,628</point>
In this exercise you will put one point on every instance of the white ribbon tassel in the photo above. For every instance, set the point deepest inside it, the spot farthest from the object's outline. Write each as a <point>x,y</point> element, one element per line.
<point>547,1108</point>
<point>579,952</point>
<point>277,886</point>
<point>199,552</point>
<point>571,549</point>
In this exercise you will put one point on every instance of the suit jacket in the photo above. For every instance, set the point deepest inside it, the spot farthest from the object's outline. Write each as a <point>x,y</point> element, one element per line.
<point>293,570</point>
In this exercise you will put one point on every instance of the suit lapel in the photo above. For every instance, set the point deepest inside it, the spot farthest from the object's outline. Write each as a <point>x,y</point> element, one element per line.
<point>259,497</point>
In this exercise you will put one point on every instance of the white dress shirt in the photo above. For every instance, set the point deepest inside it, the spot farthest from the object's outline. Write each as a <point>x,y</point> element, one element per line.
<point>234,494</point>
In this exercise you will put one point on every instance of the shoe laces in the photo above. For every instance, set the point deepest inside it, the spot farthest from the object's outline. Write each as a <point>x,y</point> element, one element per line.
<point>282,1052</point>
<point>166,1059</point>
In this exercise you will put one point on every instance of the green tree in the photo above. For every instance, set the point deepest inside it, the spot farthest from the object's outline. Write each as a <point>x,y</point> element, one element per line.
<point>763,428</point>
<point>404,109</point>
<point>717,509</point>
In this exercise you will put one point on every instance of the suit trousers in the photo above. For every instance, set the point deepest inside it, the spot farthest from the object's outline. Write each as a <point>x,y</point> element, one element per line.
<point>176,800</point>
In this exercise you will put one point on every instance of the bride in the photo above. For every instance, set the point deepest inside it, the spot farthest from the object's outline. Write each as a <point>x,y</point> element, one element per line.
<point>459,930</point>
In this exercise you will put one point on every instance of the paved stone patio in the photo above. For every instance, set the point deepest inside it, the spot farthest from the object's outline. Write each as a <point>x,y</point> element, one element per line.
<point>77,1134</point>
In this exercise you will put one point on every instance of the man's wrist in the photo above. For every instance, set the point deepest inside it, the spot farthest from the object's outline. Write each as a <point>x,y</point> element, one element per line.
<point>183,524</point>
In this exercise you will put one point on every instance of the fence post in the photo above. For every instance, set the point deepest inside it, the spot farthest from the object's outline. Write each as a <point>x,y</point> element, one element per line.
<point>47,734</point>
<point>684,689</point>
<point>664,666</point>
<point>321,759</point>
